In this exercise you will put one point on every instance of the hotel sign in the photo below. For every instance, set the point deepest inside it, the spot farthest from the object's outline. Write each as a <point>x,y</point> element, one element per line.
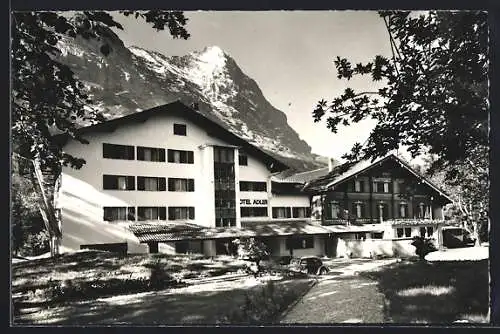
<point>246,201</point>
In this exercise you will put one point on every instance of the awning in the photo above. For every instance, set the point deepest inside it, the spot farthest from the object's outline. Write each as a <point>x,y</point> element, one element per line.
<point>176,232</point>
<point>354,228</point>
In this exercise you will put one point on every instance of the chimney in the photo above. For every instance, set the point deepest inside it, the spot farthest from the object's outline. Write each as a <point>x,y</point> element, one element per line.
<point>330,164</point>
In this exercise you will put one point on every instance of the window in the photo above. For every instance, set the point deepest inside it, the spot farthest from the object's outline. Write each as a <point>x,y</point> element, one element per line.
<point>426,231</point>
<point>421,210</point>
<point>399,232</point>
<point>301,212</point>
<point>180,212</point>
<point>383,211</point>
<point>224,222</point>
<point>151,183</point>
<point>377,235</point>
<point>359,236</point>
<point>300,242</point>
<point>358,209</point>
<point>243,159</point>
<point>282,212</point>
<point>175,184</point>
<point>115,213</point>
<point>112,151</point>
<point>334,210</point>
<point>359,186</point>
<point>403,210</point>
<point>253,186</point>
<point>407,232</point>
<point>180,129</point>
<point>181,157</point>
<point>382,187</point>
<point>150,154</point>
<point>151,213</point>
<point>253,211</point>
<point>224,155</point>
<point>118,182</point>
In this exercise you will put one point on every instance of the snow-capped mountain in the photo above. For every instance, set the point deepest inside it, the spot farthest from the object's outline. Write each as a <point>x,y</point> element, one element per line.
<point>133,79</point>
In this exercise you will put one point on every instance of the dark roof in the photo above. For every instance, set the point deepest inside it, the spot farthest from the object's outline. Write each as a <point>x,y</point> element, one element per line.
<point>301,177</point>
<point>346,171</point>
<point>212,127</point>
<point>167,232</point>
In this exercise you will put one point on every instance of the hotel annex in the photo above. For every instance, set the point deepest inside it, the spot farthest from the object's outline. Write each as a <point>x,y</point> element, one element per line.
<point>170,180</point>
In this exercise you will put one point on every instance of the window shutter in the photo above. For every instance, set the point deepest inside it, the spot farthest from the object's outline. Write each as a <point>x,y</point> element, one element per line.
<point>130,182</point>
<point>171,184</point>
<point>107,214</point>
<point>191,212</point>
<point>162,154</point>
<point>131,213</point>
<point>163,213</point>
<point>190,184</point>
<point>288,213</point>
<point>170,154</point>
<point>162,184</point>
<point>140,153</point>
<point>131,152</point>
<point>107,181</point>
<point>140,183</point>
<point>190,158</point>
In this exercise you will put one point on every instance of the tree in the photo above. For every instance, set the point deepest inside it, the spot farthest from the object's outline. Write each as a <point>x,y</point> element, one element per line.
<point>47,97</point>
<point>252,250</point>
<point>432,99</point>
<point>433,95</point>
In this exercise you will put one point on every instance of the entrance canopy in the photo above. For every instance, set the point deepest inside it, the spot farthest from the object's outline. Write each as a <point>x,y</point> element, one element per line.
<point>168,232</point>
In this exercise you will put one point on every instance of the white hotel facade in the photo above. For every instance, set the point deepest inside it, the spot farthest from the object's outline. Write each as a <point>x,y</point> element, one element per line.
<point>168,179</point>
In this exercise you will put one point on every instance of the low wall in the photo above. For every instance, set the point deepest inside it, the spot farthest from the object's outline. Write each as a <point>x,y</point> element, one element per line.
<point>375,247</point>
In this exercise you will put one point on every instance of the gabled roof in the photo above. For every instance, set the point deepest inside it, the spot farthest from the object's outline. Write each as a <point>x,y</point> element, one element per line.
<point>302,177</point>
<point>346,171</point>
<point>178,108</point>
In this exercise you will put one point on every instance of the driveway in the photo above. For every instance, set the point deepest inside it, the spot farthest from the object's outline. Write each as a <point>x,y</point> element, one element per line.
<point>342,296</point>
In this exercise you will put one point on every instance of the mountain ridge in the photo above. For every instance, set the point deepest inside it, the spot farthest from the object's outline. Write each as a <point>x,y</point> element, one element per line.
<point>131,79</point>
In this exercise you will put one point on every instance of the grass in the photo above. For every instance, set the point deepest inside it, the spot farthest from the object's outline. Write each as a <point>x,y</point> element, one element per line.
<point>441,292</point>
<point>192,304</point>
<point>32,280</point>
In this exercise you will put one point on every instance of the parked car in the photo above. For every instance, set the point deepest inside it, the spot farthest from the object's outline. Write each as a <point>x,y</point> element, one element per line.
<point>456,237</point>
<point>309,264</point>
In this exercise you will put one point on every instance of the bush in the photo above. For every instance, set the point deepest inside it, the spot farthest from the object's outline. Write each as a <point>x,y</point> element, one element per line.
<point>262,306</point>
<point>71,290</point>
<point>36,244</point>
<point>423,246</point>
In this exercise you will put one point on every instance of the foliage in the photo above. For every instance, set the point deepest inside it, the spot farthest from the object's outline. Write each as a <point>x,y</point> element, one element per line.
<point>36,244</point>
<point>66,290</point>
<point>423,246</point>
<point>251,249</point>
<point>262,306</point>
<point>467,183</point>
<point>25,216</point>
<point>433,90</point>
<point>46,96</point>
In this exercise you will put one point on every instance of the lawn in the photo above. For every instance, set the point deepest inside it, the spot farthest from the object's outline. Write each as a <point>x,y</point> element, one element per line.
<point>185,301</point>
<point>442,292</point>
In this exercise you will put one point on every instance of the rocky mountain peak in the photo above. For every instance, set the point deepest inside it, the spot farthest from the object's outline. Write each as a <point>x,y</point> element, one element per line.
<point>132,79</point>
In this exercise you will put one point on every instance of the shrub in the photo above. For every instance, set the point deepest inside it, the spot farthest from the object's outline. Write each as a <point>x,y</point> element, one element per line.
<point>262,306</point>
<point>423,246</point>
<point>36,244</point>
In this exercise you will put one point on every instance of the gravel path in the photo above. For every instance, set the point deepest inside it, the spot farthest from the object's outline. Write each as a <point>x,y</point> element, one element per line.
<point>341,297</point>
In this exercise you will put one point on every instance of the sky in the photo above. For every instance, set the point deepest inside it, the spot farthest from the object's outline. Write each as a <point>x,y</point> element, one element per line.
<point>288,53</point>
